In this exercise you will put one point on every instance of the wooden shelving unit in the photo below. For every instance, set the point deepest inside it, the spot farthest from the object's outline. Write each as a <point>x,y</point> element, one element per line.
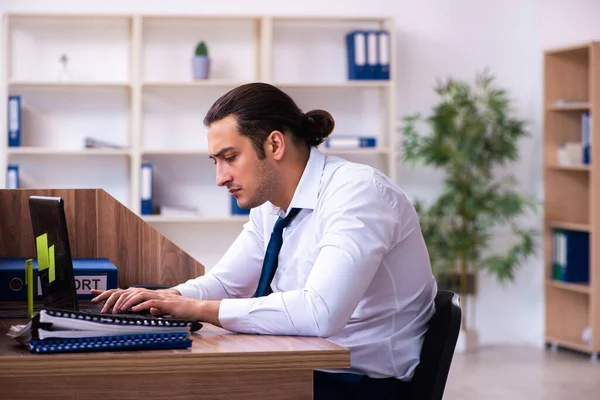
<point>572,193</point>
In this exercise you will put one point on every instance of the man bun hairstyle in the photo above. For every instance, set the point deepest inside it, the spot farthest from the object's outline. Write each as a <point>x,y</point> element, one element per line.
<point>261,108</point>
<point>318,125</point>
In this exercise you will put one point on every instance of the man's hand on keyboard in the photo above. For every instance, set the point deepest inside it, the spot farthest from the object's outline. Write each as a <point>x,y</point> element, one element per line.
<point>114,299</point>
<point>159,302</point>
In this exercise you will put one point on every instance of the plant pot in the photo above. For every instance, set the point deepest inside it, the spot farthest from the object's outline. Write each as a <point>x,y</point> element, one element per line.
<point>200,67</point>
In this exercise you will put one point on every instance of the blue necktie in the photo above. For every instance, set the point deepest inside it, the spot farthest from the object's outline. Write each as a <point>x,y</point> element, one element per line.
<point>272,254</point>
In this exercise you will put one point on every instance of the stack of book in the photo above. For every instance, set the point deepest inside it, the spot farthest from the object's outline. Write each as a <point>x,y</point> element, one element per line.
<point>58,331</point>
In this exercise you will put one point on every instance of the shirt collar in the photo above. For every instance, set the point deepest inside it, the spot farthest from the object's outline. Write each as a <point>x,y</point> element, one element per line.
<point>307,190</point>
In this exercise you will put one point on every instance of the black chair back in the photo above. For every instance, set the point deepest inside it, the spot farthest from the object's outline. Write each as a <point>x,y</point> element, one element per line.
<point>430,376</point>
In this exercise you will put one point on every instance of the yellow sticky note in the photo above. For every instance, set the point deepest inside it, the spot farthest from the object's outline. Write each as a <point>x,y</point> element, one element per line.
<point>51,273</point>
<point>29,281</point>
<point>42,251</point>
<point>45,256</point>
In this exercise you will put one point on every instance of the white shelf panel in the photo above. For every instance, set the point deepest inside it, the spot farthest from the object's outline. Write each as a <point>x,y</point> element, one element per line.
<point>301,46</point>
<point>336,85</point>
<point>333,18</point>
<point>75,172</point>
<point>36,46</point>
<point>360,151</point>
<point>68,84</point>
<point>64,116</point>
<point>356,113</point>
<point>66,152</point>
<point>172,118</point>
<point>165,219</point>
<point>199,83</point>
<point>168,47</point>
<point>175,152</point>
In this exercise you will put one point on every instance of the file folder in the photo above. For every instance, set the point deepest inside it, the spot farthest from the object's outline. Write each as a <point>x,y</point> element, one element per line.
<point>586,137</point>
<point>147,188</point>
<point>90,273</point>
<point>356,45</point>
<point>571,256</point>
<point>383,55</point>
<point>372,55</point>
<point>12,177</point>
<point>14,121</point>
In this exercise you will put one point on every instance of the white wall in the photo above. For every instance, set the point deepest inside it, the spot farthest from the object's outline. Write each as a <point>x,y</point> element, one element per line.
<point>436,38</point>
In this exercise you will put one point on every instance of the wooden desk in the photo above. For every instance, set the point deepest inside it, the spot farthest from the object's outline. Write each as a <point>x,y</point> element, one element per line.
<point>219,365</point>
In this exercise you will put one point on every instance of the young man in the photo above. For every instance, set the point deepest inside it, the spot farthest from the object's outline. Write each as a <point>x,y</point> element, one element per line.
<point>332,248</point>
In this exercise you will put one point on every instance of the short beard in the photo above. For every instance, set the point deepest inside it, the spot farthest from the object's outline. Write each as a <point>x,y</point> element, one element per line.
<point>267,182</point>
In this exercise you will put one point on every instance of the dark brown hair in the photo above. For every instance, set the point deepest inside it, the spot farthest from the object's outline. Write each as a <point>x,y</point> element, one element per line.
<point>260,109</point>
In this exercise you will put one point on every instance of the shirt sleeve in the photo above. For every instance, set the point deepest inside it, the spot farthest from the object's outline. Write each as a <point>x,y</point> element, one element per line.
<point>359,225</point>
<point>237,272</point>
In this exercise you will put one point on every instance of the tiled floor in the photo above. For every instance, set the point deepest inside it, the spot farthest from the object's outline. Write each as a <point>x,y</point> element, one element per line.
<point>515,373</point>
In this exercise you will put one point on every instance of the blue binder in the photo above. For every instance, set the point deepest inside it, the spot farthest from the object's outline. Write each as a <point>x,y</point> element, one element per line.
<point>586,138</point>
<point>571,256</point>
<point>12,177</point>
<point>59,331</point>
<point>350,142</point>
<point>237,210</point>
<point>14,121</point>
<point>383,55</point>
<point>154,341</point>
<point>90,273</point>
<point>356,50</point>
<point>147,185</point>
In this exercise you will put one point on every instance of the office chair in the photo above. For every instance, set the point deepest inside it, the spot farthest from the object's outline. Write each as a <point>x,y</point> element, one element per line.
<point>430,376</point>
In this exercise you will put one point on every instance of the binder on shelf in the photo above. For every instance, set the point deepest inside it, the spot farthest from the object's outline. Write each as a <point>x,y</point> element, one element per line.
<point>147,188</point>
<point>14,121</point>
<point>12,177</point>
<point>372,55</point>
<point>90,273</point>
<point>237,210</point>
<point>570,256</point>
<point>356,50</point>
<point>586,137</point>
<point>350,142</point>
<point>368,54</point>
<point>383,55</point>
<point>60,331</point>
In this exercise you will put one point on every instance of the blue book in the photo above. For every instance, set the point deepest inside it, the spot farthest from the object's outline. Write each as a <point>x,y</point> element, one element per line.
<point>14,121</point>
<point>356,51</point>
<point>90,273</point>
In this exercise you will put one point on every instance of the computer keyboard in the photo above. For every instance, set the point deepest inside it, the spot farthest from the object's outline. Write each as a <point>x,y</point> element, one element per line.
<point>98,311</point>
<point>195,325</point>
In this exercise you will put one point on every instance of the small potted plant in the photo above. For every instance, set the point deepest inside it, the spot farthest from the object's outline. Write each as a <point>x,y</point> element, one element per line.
<point>201,62</point>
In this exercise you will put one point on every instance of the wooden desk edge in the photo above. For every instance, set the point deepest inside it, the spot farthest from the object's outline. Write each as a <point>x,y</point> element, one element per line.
<point>163,361</point>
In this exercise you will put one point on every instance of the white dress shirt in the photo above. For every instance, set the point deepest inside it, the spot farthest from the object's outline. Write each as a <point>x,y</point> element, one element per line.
<point>353,268</point>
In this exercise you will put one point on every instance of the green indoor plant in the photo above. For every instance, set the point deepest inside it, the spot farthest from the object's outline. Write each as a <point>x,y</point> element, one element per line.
<point>469,136</point>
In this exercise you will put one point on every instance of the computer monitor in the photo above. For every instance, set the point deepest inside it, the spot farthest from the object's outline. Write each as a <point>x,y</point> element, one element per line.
<point>48,218</point>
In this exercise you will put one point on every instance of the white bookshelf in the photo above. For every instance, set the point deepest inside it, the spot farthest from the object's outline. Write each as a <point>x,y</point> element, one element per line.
<point>130,83</point>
